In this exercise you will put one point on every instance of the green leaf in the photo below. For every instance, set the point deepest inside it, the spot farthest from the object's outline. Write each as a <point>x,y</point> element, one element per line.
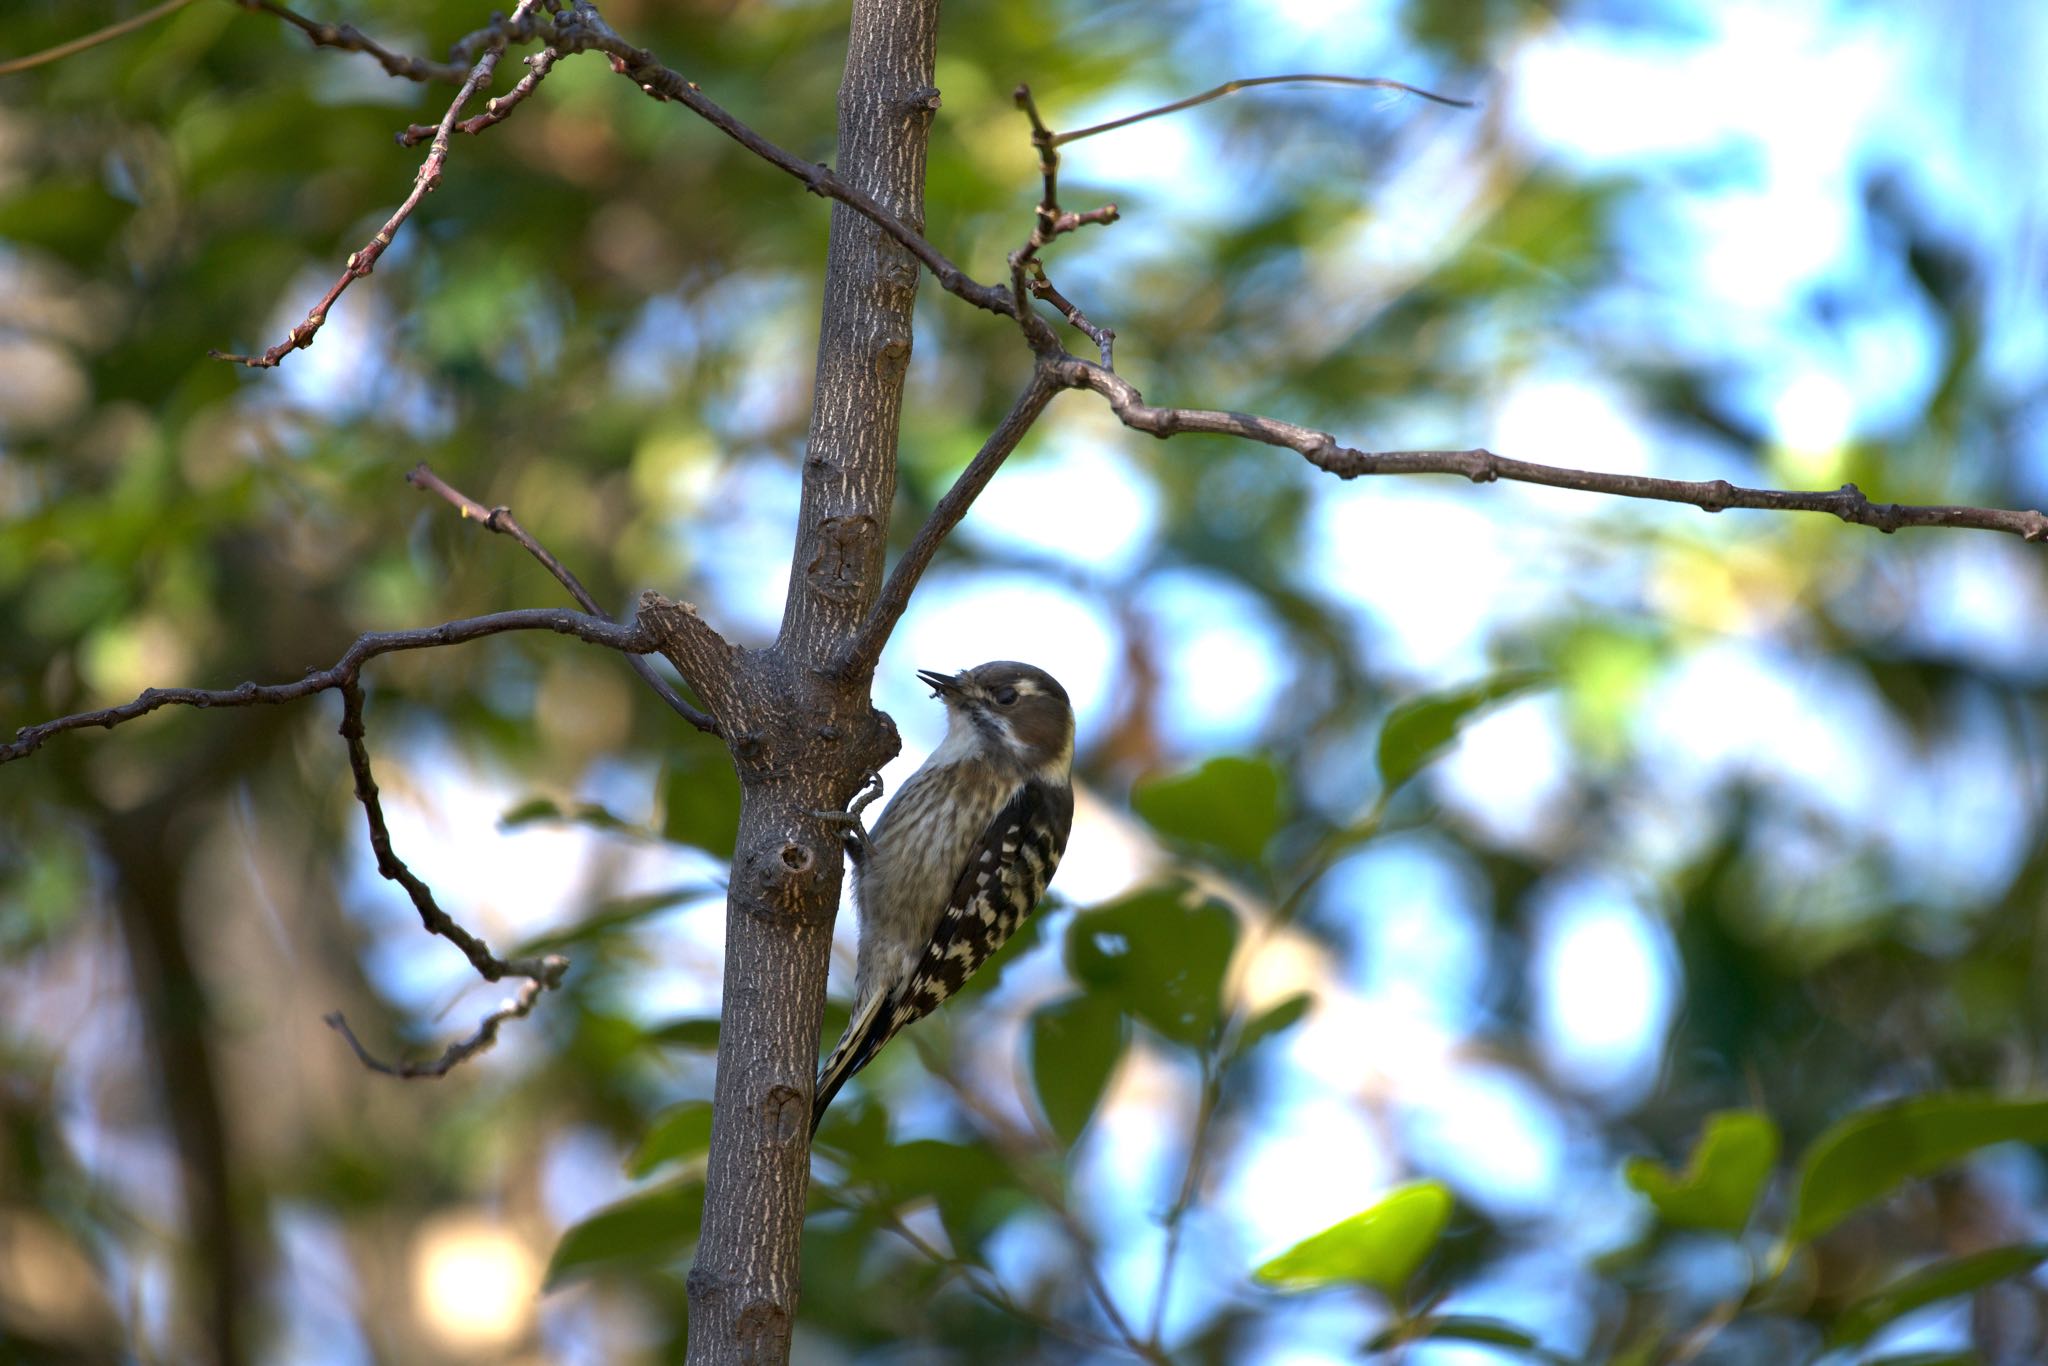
<point>1158,958</point>
<point>974,1190</point>
<point>1418,730</point>
<point>1075,1044</point>
<point>612,915</point>
<point>641,1232</point>
<point>1930,1285</point>
<point>535,810</point>
<point>679,1132</point>
<point>1867,1155</point>
<point>1720,1185</point>
<point>1274,1020</point>
<point>1379,1247</point>
<point>1463,1328</point>
<point>700,806</point>
<point>1228,804</point>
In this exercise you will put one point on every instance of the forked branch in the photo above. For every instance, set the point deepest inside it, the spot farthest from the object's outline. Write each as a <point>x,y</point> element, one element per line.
<point>501,520</point>
<point>632,638</point>
<point>363,261</point>
<point>542,973</point>
<point>866,647</point>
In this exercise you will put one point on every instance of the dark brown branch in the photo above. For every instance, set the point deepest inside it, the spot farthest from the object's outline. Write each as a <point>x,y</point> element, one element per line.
<point>496,109</point>
<point>1232,87</point>
<point>706,660</point>
<point>582,29</point>
<point>501,520</point>
<point>1048,212</point>
<point>541,972</point>
<point>347,38</point>
<point>112,31</point>
<point>865,648</point>
<point>632,638</point>
<point>1027,273</point>
<point>1040,287</point>
<point>455,1054</point>
<point>546,970</point>
<point>361,263</point>
<point>1481,466</point>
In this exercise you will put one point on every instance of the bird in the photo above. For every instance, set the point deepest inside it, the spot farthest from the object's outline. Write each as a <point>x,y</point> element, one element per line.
<point>960,856</point>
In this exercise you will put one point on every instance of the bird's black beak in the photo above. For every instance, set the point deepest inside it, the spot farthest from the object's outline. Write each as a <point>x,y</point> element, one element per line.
<point>942,685</point>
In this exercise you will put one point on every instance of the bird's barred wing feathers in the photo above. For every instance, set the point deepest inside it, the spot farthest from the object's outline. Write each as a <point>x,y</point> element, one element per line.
<point>1007,872</point>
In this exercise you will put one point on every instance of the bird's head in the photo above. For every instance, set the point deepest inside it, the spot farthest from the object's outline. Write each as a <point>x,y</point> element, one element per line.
<point>1017,711</point>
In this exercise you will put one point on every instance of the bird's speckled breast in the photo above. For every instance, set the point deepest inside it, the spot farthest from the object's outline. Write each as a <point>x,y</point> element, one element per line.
<point>920,847</point>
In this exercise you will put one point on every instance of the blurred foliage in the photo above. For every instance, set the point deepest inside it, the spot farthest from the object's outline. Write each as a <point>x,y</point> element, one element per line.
<point>603,318</point>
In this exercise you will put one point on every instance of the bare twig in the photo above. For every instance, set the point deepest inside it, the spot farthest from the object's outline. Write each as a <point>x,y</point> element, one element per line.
<point>1027,273</point>
<point>347,38</point>
<point>578,27</point>
<point>1232,87</point>
<point>501,520</point>
<point>496,109</point>
<point>633,638</point>
<point>1035,281</point>
<point>546,970</point>
<point>542,973</point>
<point>104,35</point>
<point>361,263</point>
<point>1481,466</point>
<point>455,1054</point>
<point>582,29</point>
<point>866,646</point>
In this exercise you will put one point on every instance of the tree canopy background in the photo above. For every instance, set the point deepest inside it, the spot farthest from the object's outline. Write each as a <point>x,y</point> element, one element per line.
<point>1747,813</point>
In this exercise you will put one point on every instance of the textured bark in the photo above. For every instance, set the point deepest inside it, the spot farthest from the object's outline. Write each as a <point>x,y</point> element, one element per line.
<point>803,734</point>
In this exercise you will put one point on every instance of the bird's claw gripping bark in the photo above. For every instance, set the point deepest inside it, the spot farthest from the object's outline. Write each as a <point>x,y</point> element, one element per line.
<point>853,832</point>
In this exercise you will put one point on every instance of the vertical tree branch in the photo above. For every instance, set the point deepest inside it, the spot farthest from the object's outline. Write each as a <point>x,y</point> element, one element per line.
<point>803,736</point>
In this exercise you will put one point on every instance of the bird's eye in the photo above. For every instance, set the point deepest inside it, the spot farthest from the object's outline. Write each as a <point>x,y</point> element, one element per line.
<point>1005,696</point>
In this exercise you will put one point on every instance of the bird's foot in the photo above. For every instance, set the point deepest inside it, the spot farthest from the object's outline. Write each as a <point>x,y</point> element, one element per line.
<point>852,831</point>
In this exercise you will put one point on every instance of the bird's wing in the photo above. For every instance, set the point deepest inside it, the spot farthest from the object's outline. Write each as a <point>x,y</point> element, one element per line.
<point>1006,872</point>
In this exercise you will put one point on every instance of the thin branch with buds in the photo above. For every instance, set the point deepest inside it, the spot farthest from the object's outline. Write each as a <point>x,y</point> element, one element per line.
<point>582,29</point>
<point>1027,272</point>
<point>1483,467</point>
<point>347,38</point>
<point>361,263</point>
<point>542,972</point>
<point>496,109</point>
<point>632,638</point>
<point>501,520</point>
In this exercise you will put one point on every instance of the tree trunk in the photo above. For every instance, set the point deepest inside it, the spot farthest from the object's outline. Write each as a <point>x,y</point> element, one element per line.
<point>803,735</point>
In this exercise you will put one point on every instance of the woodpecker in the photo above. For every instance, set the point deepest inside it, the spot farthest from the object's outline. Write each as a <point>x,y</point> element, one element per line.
<point>960,856</point>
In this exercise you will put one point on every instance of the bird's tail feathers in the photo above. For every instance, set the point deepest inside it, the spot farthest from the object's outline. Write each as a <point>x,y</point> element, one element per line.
<point>872,1025</point>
